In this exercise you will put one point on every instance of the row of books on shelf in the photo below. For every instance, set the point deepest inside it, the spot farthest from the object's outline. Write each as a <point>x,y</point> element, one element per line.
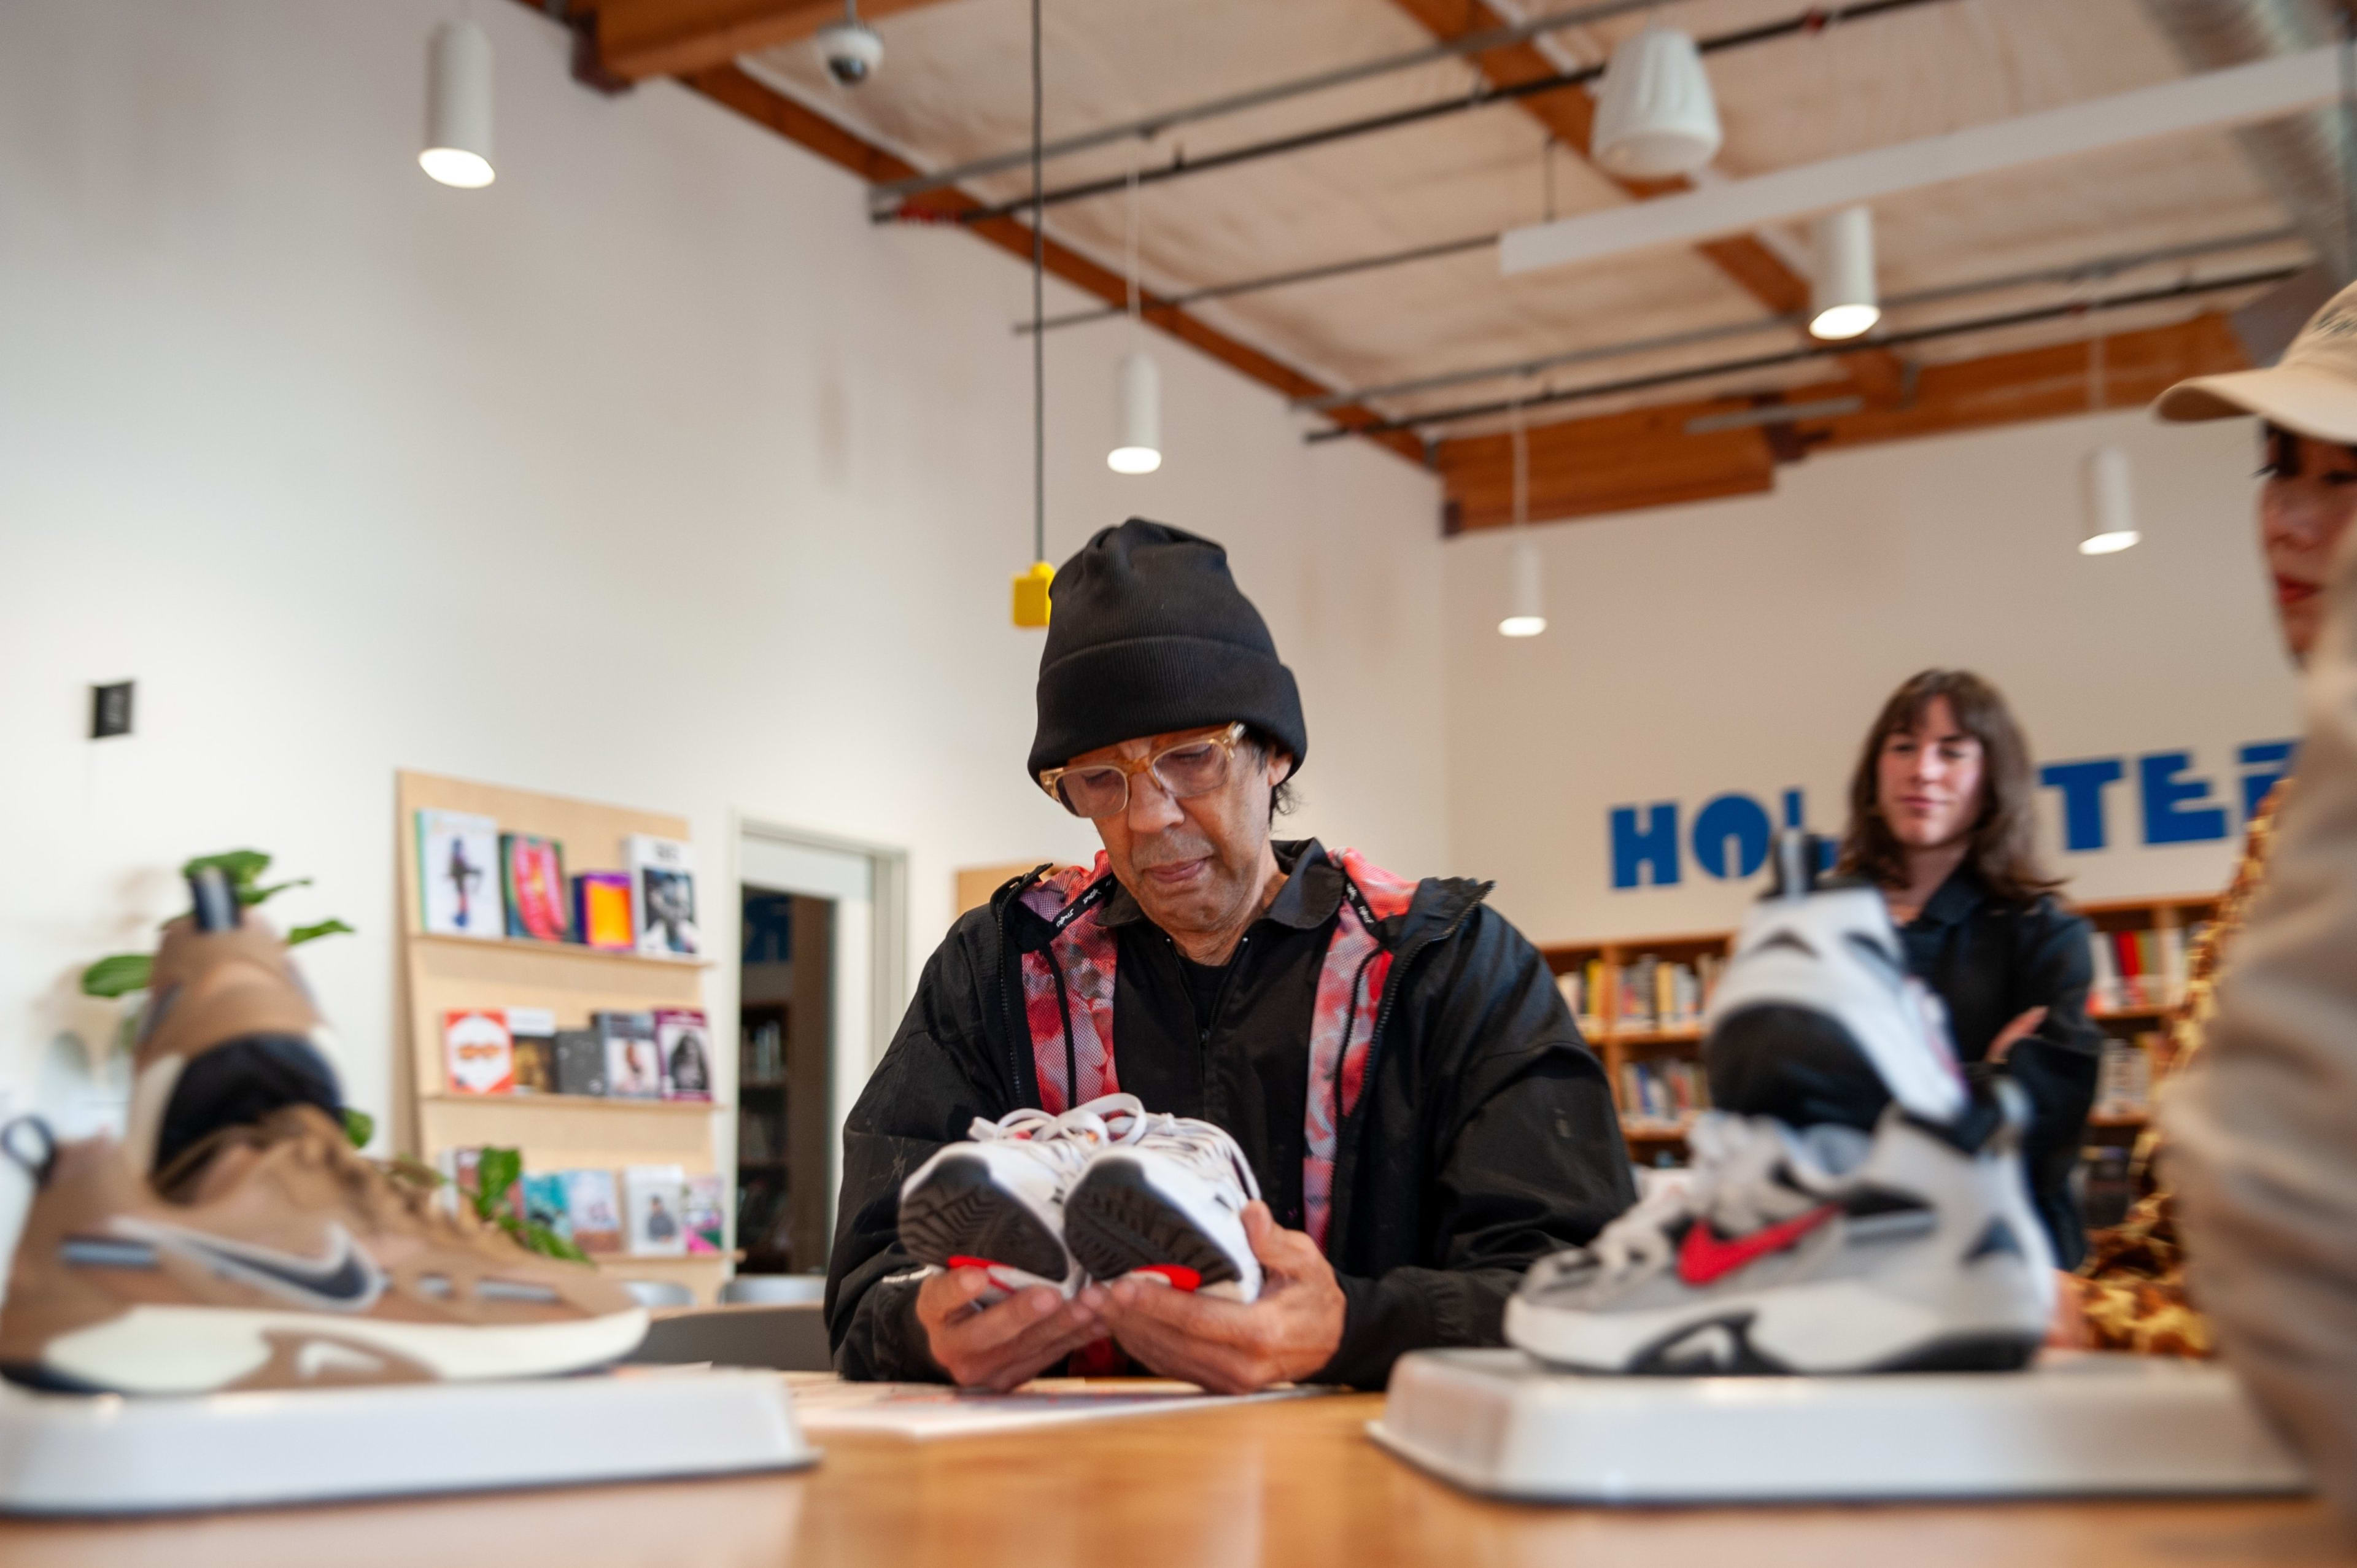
<point>761,1052</point>
<point>2124,1078</point>
<point>650,1212</point>
<point>1668,1091</point>
<point>2138,969</point>
<point>475,880</point>
<point>1650,993</point>
<point>664,1053</point>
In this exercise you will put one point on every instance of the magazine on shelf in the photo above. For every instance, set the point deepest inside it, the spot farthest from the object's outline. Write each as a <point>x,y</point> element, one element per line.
<point>458,875</point>
<point>478,1054</point>
<point>707,1219</point>
<point>685,1040</point>
<point>601,910</point>
<point>663,890</point>
<point>594,1209</point>
<point>532,880</point>
<point>532,1031</point>
<point>545,1203</point>
<point>633,1061</point>
<point>580,1061</point>
<point>655,1198</point>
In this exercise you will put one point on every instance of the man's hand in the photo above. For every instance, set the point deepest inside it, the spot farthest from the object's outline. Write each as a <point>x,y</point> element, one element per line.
<point>2023,1025</point>
<point>1290,1332</point>
<point>1000,1345</point>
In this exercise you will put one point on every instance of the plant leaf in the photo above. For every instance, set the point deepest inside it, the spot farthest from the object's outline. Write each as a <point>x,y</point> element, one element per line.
<point>252,896</point>
<point>409,1169</point>
<point>243,868</point>
<point>495,1172</point>
<point>330,928</point>
<point>118,974</point>
<point>359,1126</point>
<point>542,1240</point>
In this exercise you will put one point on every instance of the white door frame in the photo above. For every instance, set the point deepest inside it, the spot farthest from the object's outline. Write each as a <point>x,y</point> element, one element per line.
<point>859,1042</point>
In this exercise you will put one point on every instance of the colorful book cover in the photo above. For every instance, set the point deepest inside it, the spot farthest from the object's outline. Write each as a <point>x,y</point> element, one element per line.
<point>633,1061</point>
<point>532,1031</point>
<point>532,881</point>
<point>601,910</point>
<point>683,1038</point>
<point>654,1196</point>
<point>594,1209</point>
<point>580,1062</point>
<point>477,1053</point>
<point>707,1220</point>
<point>458,873</point>
<point>663,885</point>
<point>544,1204</point>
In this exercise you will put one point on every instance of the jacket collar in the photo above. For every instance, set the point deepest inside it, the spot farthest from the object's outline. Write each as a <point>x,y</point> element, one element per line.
<point>1957,899</point>
<point>1312,890</point>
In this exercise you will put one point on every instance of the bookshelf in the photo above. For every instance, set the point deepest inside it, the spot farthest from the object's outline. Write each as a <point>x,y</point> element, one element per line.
<point>554,1131</point>
<point>2131,1017</point>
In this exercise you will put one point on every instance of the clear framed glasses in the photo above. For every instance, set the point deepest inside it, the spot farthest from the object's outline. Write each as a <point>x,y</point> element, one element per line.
<point>1196,766</point>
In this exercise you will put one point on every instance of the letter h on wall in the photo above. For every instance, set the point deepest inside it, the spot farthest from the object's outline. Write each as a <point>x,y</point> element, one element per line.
<point>1654,847</point>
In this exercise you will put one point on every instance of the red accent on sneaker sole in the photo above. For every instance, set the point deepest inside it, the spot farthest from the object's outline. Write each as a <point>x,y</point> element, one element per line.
<point>1704,1257</point>
<point>959,1260</point>
<point>1178,1276</point>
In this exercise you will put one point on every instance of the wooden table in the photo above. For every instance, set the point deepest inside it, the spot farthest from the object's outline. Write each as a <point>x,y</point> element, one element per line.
<point>1293,1485</point>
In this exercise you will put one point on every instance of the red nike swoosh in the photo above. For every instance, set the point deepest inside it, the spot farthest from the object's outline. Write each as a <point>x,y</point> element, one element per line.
<point>1704,1257</point>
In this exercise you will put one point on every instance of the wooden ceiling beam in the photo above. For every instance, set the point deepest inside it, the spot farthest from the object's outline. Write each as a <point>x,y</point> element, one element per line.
<point>1570,114</point>
<point>733,89</point>
<point>1643,457</point>
<point>631,40</point>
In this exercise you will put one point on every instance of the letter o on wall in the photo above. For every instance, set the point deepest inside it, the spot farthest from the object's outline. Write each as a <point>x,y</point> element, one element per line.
<point>1737,818</point>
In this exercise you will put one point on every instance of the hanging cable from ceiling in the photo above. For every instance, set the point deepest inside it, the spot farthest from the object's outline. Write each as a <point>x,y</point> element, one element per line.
<point>1031,596</point>
<point>1526,599</point>
<point>2110,505</point>
<point>1138,389</point>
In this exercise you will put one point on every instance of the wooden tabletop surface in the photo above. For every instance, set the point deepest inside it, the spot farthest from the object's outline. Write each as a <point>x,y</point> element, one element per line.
<point>1295,1484</point>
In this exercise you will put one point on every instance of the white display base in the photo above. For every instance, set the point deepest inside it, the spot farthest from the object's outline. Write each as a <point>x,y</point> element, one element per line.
<point>1495,1422</point>
<point>104,1454</point>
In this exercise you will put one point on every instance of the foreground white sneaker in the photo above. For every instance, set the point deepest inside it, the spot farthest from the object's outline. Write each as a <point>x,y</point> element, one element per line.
<point>997,1201</point>
<point>1168,1204</point>
<point>1825,1251</point>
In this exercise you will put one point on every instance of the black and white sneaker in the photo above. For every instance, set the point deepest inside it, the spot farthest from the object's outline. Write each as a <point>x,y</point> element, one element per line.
<point>997,1201</point>
<point>1167,1205</point>
<point>1830,1251</point>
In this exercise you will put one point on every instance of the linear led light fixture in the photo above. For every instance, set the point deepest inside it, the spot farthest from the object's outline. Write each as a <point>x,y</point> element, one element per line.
<point>1773,413</point>
<point>2267,90</point>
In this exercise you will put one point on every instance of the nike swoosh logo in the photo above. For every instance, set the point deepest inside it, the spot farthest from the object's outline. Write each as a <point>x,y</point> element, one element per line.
<point>1702,1257</point>
<point>345,1280</point>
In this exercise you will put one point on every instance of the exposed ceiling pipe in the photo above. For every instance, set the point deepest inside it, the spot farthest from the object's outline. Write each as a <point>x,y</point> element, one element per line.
<point>2299,158</point>
<point>1420,422</point>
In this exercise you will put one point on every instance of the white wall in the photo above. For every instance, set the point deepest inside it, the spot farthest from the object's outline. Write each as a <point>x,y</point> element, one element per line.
<point>1746,645</point>
<point>651,473</point>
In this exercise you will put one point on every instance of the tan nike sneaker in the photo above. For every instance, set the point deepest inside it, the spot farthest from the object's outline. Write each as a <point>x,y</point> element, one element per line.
<point>230,1032</point>
<point>277,1257</point>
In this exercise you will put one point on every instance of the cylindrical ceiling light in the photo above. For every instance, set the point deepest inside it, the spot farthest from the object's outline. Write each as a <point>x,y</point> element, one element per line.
<point>1137,435</point>
<point>2110,504</point>
<point>458,106</point>
<point>1655,118</point>
<point>1842,299</point>
<point>1525,591</point>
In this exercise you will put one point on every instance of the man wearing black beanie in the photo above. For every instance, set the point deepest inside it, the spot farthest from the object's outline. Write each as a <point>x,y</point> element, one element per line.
<point>1383,1111</point>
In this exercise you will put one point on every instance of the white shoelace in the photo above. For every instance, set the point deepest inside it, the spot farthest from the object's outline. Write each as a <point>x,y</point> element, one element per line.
<point>1071,1138</point>
<point>1207,1148</point>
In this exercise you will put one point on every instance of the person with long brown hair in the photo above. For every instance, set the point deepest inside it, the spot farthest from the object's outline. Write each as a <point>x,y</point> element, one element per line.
<point>1942,820</point>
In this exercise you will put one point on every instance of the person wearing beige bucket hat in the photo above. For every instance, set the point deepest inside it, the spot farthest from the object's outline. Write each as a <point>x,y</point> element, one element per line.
<point>2131,1289</point>
<point>2258,1156</point>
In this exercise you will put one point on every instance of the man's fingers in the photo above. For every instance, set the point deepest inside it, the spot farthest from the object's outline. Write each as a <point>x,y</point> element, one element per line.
<point>1202,1316</point>
<point>1002,1324</point>
<point>2020,1028</point>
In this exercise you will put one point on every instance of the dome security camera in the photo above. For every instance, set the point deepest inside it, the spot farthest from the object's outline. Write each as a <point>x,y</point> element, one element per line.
<point>851,51</point>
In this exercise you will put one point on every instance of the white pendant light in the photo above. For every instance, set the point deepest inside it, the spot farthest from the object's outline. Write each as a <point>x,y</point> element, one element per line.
<point>1137,437</point>
<point>2110,505</point>
<point>458,106</point>
<point>1842,299</point>
<point>1137,384</point>
<point>1526,592</point>
<point>1655,118</point>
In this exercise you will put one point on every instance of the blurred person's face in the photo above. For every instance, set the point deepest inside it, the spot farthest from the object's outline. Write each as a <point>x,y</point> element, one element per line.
<point>2305,506</point>
<point>1928,780</point>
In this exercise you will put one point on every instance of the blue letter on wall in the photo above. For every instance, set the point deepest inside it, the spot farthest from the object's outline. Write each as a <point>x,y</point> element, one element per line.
<point>1737,817</point>
<point>1657,847</point>
<point>2082,784</point>
<point>2171,814</point>
<point>2267,760</point>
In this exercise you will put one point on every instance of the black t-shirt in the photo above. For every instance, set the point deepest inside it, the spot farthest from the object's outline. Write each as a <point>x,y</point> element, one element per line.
<point>1204,981</point>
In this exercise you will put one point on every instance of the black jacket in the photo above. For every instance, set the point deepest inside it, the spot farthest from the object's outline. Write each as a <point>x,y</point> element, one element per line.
<point>1484,1138</point>
<point>1990,962</point>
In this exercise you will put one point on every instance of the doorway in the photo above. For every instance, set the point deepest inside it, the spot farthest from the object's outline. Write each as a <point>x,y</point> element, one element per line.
<point>820,983</point>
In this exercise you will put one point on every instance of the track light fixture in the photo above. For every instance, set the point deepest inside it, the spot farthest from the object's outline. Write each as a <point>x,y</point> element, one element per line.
<point>1842,298</point>
<point>1655,118</point>
<point>457,148</point>
<point>2110,505</point>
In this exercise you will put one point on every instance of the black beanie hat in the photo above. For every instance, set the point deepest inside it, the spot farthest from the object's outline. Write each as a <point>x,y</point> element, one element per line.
<point>1148,634</point>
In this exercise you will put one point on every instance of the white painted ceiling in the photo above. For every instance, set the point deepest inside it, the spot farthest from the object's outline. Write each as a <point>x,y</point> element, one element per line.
<point>956,86</point>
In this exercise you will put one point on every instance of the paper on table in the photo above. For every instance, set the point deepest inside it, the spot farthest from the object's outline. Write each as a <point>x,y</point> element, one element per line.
<point>824,1403</point>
